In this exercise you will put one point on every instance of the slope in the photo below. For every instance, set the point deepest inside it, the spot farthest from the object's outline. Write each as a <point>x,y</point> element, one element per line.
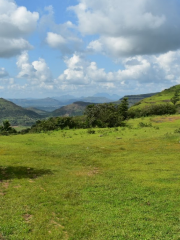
<point>16,114</point>
<point>74,109</point>
<point>159,98</point>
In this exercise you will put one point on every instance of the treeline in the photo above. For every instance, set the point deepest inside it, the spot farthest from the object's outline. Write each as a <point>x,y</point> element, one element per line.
<point>95,115</point>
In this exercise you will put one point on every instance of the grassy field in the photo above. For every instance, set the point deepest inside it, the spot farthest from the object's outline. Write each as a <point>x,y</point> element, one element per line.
<point>119,183</point>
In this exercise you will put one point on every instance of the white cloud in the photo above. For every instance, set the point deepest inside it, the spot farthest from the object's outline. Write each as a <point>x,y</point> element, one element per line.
<point>169,63</point>
<point>37,72</point>
<point>150,70</point>
<point>59,36</point>
<point>15,23</point>
<point>54,40</point>
<point>129,28</point>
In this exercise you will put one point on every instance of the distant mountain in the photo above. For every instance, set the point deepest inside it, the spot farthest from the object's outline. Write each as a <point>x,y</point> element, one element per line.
<point>74,109</point>
<point>16,114</point>
<point>96,99</point>
<point>45,104</point>
<point>113,97</point>
<point>87,99</point>
<point>64,98</point>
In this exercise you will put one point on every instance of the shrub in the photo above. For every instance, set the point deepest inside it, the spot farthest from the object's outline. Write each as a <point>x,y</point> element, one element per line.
<point>91,131</point>
<point>141,124</point>
<point>158,109</point>
<point>177,130</point>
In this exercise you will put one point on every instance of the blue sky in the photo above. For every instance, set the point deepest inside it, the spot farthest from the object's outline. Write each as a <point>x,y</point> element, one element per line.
<point>52,48</point>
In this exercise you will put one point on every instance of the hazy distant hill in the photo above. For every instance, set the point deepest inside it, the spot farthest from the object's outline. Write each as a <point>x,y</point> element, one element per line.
<point>77,108</point>
<point>74,109</point>
<point>16,114</point>
<point>113,97</point>
<point>84,99</point>
<point>96,99</point>
<point>45,104</point>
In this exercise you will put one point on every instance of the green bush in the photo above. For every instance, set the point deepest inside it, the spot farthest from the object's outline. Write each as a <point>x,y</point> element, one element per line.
<point>91,131</point>
<point>6,128</point>
<point>158,109</point>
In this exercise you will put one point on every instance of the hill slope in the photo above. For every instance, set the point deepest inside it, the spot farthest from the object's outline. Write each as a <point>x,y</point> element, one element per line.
<point>159,98</point>
<point>133,99</point>
<point>16,114</point>
<point>74,109</point>
<point>45,104</point>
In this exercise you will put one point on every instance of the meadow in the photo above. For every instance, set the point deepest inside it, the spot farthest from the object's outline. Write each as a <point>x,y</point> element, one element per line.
<point>118,183</point>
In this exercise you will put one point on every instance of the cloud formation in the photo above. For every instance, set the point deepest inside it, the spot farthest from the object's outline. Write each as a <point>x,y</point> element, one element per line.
<point>62,37</point>
<point>15,24</point>
<point>37,72</point>
<point>138,70</point>
<point>130,28</point>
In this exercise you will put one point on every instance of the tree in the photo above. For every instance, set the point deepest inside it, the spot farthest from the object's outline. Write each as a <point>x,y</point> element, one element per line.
<point>6,128</point>
<point>123,108</point>
<point>106,115</point>
<point>175,98</point>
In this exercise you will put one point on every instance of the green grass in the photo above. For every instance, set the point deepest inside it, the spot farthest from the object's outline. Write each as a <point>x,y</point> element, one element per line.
<point>115,184</point>
<point>159,98</point>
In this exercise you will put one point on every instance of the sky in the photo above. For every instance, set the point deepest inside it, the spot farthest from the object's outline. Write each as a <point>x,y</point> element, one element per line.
<point>79,47</point>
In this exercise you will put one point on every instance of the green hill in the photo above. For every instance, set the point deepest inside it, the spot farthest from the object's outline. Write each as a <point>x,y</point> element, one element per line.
<point>45,104</point>
<point>39,111</point>
<point>133,99</point>
<point>159,98</point>
<point>74,109</point>
<point>16,114</point>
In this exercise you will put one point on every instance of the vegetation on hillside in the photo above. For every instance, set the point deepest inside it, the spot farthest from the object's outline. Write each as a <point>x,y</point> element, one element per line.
<point>95,115</point>
<point>150,110</point>
<point>74,109</point>
<point>15,114</point>
<point>160,98</point>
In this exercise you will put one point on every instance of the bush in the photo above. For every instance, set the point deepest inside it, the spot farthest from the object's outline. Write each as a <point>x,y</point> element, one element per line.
<point>158,109</point>
<point>91,131</point>
<point>141,124</point>
<point>177,130</point>
<point>6,128</point>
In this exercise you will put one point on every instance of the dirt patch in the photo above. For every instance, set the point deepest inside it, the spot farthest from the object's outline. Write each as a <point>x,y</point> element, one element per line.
<point>166,119</point>
<point>56,224</point>
<point>27,217</point>
<point>5,185</point>
<point>1,237</point>
<point>18,186</point>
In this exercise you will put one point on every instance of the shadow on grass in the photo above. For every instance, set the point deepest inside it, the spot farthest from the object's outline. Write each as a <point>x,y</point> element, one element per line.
<point>7,173</point>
